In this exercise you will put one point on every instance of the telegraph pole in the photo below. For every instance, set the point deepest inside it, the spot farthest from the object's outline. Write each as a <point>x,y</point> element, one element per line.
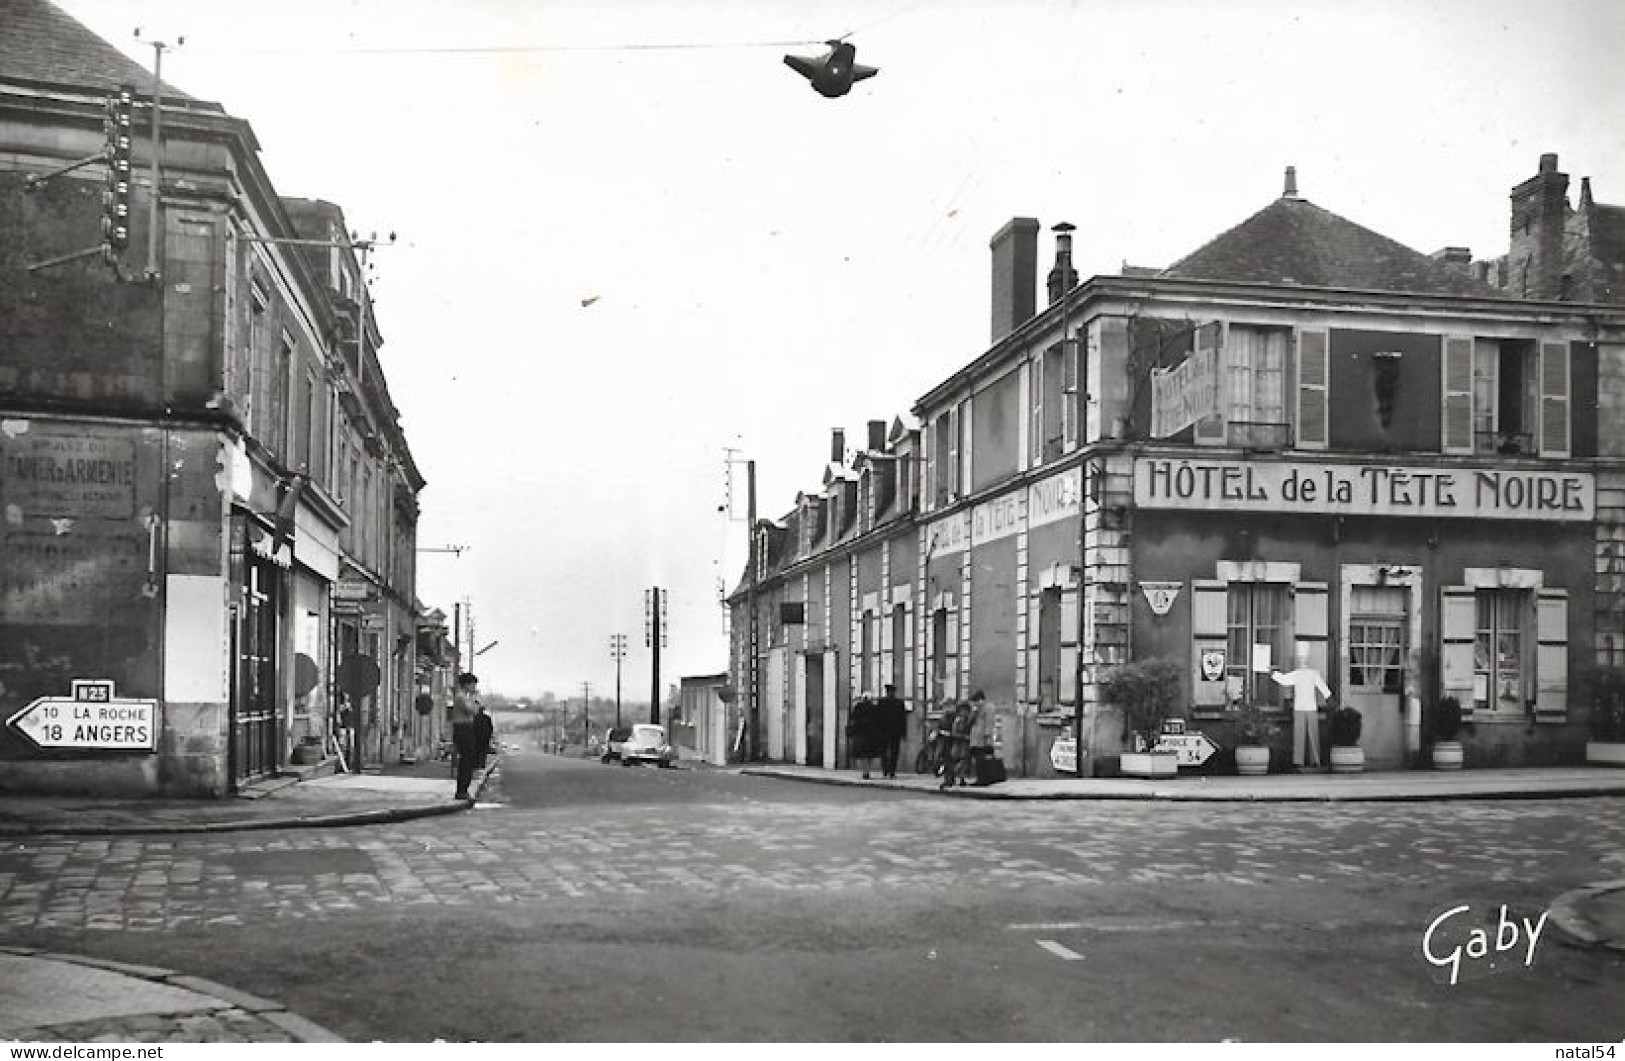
<point>617,651</point>
<point>655,637</point>
<point>751,714</point>
<point>586,712</point>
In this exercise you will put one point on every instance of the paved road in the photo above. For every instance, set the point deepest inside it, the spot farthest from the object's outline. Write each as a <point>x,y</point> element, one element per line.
<point>596,902</point>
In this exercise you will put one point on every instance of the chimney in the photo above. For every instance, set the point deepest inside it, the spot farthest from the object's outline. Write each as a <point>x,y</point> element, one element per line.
<point>877,436</point>
<point>1457,259</point>
<point>1291,189</point>
<point>1063,277</point>
<point>1015,275</point>
<point>837,446</point>
<point>1540,212</point>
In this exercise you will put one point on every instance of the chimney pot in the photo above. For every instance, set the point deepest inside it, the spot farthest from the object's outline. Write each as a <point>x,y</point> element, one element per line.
<point>1062,278</point>
<point>837,446</point>
<point>1548,163</point>
<point>877,435</point>
<point>1291,189</point>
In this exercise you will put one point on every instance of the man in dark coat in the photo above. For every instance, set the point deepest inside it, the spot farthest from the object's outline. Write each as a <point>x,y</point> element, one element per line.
<point>863,733</point>
<point>893,717</point>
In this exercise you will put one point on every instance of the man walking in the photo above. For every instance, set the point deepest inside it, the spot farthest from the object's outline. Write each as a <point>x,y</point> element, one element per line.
<point>465,710</point>
<point>893,724</point>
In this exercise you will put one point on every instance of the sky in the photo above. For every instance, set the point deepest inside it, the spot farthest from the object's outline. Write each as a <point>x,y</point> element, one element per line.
<point>633,246</point>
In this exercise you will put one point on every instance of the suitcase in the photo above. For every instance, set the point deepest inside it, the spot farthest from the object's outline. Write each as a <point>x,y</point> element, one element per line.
<point>989,770</point>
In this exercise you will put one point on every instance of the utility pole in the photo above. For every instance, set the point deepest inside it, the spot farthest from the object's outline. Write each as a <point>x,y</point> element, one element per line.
<point>158,47</point>
<point>617,651</point>
<point>751,715</point>
<point>586,712</point>
<point>655,637</point>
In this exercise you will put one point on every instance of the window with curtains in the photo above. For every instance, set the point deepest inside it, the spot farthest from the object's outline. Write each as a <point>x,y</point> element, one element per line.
<point>1256,615</point>
<point>1376,639</point>
<point>1500,652</point>
<point>1255,386</point>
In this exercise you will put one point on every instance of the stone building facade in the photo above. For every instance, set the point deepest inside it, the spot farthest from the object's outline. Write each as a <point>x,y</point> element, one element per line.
<point>1303,433</point>
<point>196,452</point>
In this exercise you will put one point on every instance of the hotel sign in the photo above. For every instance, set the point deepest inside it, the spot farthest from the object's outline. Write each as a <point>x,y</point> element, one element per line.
<point>1182,395</point>
<point>1364,489</point>
<point>1048,501</point>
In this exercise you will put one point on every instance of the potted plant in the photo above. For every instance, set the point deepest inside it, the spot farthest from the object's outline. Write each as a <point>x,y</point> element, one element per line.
<point>1146,691</point>
<point>1255,727</point>
<point>1347,755</point>
<point>1607,743</point>
<point>1447,753</point>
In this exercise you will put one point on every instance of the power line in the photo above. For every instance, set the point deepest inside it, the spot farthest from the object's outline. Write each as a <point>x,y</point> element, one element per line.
<point>515,49</point>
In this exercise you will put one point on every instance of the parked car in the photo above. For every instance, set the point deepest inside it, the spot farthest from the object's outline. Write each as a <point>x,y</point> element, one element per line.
<point>648,745</point>
<point>615,739</point>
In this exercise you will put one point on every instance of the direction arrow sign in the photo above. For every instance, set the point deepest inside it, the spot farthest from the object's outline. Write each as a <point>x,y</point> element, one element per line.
<point>91,719</point>
<point>1192,749</point>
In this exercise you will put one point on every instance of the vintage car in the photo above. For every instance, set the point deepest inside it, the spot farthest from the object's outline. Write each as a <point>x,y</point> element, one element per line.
<point>647,744</point>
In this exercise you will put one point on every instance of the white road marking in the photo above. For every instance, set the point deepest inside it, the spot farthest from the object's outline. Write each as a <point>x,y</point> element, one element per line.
<point>1064,953</point>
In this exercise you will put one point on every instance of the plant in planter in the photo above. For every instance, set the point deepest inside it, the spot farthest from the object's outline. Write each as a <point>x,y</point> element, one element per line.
<point>1447,754</point>
<point>1347,755</point>
<point>1255,728</point>
<point>1146,691</point>
<point>1607,695</point>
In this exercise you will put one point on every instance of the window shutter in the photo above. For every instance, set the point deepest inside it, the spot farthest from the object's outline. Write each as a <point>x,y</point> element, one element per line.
<point>1458,618</point>
<point>1554,399</point>
<point>908,651</point>
<point>883,675</point>
<point>1458,395</point>
<point>950,475</point>
<point>1067,687</point>
<point>1069,393</point>
<point>1035,603</point>
<point>1210,430</point>
<point>1208,599</point>
<point>950,667</point>
<point>1309,625</point>
<point>1035,424</point>
<point>1552,655</point>
<point>1313,369</point>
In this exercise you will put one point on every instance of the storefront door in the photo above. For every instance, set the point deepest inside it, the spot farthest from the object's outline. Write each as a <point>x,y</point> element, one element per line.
<point>1375,686</point>
<point>814,700</point>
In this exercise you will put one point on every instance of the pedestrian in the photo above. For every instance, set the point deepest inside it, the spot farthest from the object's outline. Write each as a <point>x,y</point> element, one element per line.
<point>981,734</point>
<point>956,756</point>
<point>1305,682</point>
<point>863,732</point>
<point>484,727</point>
<point>893,715</point>
<point>465,708</point>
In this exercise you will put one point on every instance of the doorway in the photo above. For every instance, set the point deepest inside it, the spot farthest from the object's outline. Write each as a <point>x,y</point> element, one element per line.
<point>813,698</point>
<point>1377,643</point>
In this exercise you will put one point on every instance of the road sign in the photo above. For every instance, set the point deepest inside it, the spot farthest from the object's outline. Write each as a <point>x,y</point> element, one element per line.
<point>91,719</point>
<point>1193,749</point>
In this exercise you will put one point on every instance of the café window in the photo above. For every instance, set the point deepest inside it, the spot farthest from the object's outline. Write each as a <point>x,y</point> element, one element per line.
<point>1256,615</point>
<point>1500,650</point>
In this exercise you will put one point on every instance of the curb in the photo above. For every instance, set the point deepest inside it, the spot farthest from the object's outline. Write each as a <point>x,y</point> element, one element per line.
<point>274,1013</point>
<point>1568,914</point>
<point>375,816</point>
<point>991,792</point>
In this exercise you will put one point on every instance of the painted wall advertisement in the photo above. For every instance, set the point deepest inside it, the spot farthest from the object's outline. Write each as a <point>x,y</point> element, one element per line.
<point>1364,489</point>
<point>1048,501</point>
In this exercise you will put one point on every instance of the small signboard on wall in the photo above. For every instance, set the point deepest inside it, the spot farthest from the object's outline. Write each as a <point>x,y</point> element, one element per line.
<point>1160,595</point>
<point>92,719</point>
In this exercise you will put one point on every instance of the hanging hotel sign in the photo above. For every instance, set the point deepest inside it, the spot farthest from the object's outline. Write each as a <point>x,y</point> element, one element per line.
<point>1160,595</point>
<point>92,718</point>
<point>1182,395</point>
<point>1284,487</point>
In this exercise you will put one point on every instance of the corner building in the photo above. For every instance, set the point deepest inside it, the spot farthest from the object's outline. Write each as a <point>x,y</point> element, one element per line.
<point>1303,432</point>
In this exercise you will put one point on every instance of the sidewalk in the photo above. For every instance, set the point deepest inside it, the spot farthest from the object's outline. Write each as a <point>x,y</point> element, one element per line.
<point>398,793</point>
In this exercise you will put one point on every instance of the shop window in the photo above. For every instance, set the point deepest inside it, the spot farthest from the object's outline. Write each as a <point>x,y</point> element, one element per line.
<point>1500,651</point>
<point>1256,614</point>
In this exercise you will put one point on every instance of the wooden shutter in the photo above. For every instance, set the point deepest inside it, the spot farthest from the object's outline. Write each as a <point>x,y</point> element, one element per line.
<point>883,673</point>
<point>1554,400</point>
<point>1457,410</point>
<point>1035,423</point>
<point>1067,688</point>
<point>910,658</point>
<point>1313,369</point>
<point>1069,393</point>
<point>1458,620</point>
<point>1035,638</point>
<point>1551,655</point>
<point>1309,625</point>
<point>950,668</point>
<point>1210,431</point>
<point>1208,612</point>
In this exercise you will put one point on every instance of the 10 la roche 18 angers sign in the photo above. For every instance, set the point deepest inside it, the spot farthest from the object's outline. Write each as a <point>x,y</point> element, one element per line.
<point>1364,489</point>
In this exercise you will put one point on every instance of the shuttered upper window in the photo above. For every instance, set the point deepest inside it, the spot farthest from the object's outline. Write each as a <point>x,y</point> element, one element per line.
<point>1313,410</point>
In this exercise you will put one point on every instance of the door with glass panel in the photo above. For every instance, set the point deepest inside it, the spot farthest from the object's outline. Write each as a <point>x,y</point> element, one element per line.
<point>1375,683</point>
